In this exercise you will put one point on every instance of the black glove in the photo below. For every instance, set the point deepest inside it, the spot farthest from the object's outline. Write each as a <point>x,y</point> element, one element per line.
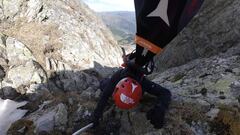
<point>95,120</point>
<point>139,63</point>
<point>133,72</point>
<point>156,116</point>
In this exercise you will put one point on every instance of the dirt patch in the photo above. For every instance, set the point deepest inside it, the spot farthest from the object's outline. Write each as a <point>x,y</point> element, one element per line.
<point>22,126</point>
<point>226,123</point>
<point>41,39</point>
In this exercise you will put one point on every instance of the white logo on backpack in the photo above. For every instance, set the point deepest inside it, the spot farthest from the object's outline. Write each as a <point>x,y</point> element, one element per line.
<point>161,11</point>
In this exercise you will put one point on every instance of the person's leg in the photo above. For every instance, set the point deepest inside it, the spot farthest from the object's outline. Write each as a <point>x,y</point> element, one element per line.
<point>103,83</point>
<point>163,94</point>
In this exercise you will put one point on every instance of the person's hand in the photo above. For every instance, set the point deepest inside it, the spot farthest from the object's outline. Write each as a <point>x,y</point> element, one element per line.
<point>95,120</point>
<point>127,58</point>
<point>95,123</point>
<point>156,116</point>
<point>132,71</point>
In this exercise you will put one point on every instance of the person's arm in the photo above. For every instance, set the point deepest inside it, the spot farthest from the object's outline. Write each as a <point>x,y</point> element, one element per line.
<point>107,92</point>
<point>157,113</point>
<point>163,95</point>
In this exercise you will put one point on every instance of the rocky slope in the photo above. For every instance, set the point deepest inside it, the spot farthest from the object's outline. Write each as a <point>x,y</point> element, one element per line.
<point>213,30</point>
<point>50,53</point>
<point>64,32</point>
<point>206,101</point>
<point>42,62</point>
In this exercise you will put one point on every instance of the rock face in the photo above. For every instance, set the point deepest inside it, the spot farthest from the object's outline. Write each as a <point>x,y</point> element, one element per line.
<point>50,119</point>
<point>205,100</point>
<point>212,31</point>
<point>205,95</point>
<point>53,54</point>
<point>30,73</point>
<point>66,31</point>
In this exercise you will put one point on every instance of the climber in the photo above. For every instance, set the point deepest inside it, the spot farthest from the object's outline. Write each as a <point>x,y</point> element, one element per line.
<point>158,22</point>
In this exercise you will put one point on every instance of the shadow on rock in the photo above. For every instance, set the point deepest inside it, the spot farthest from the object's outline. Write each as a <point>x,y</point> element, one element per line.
<point>63,104</point>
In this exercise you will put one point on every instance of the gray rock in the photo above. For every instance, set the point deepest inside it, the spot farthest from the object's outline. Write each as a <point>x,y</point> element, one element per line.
<point>26,74</point>
<point>76,81</point>
<point>236,71</point>
<point>48,119</point>
<point>213,113</point>
<point>10,8</point>
<point>70,101</point>
<point>33,8</point>
<point>199,128</point>
<point>1,13</point>
<point>3,54</point>
<point>87,94</point>
<point>2,73</point>
<point>1,94</point>
<point>235,87</point>
<point>52,64</point>
<point>17,52</point>
<point>38,92</point>
<point>98,94</point>
<point>79,113</point>
<point>9,93</point>
<point>61,117</point>
<point>45,122</point>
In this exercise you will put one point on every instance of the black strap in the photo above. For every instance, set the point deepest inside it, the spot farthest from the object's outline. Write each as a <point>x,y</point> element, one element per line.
<point>145,62</point>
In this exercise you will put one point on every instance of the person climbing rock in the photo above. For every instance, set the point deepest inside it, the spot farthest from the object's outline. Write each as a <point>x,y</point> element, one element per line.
<point>127,86</point>
<point>158,22</point>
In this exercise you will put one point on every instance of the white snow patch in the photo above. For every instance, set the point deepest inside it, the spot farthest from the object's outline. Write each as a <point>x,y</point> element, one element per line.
<point>9,113</point>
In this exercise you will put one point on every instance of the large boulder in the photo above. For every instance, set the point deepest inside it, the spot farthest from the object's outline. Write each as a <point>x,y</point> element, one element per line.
<point>9,93</point>
<point>75,81</point>
<point>50,118</point>
<point>24,75</point>
<point>17,52</point>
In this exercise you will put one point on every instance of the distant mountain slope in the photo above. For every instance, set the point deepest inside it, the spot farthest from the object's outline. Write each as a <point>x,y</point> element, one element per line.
<point>122,24</point>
